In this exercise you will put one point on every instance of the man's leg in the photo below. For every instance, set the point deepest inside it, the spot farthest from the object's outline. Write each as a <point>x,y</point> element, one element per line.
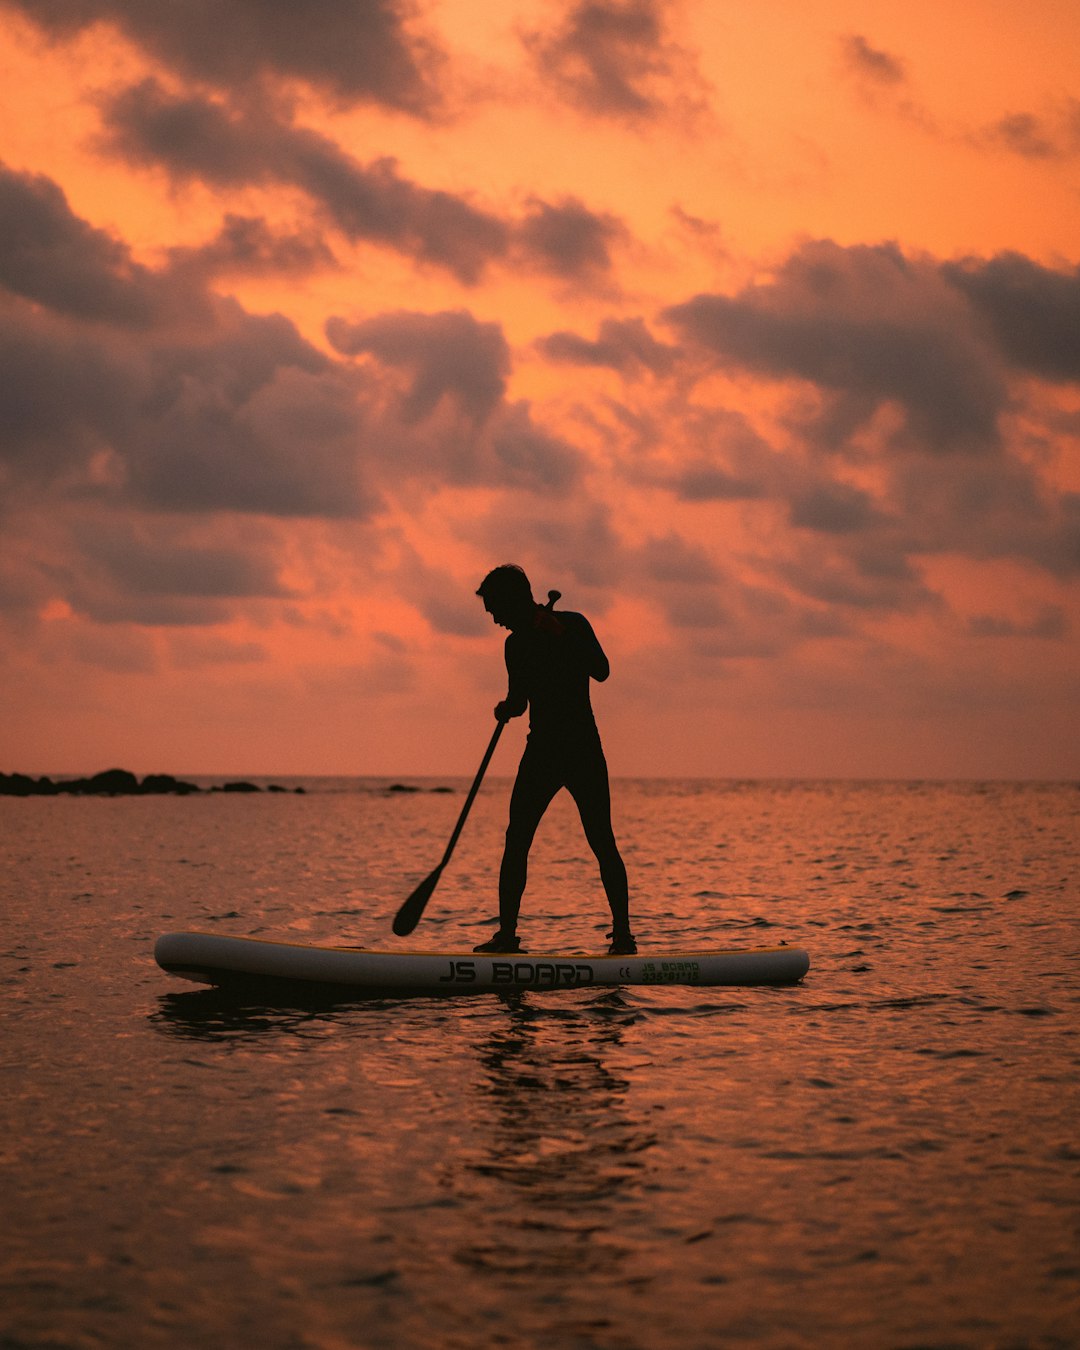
<point>536,784</point>
<point>591,791</point>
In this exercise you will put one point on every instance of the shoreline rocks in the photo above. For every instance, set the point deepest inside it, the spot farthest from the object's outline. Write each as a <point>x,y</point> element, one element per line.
<point>117,783</point>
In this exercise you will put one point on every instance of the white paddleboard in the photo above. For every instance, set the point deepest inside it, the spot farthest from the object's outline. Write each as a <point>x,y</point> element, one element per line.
<point>210,958</point>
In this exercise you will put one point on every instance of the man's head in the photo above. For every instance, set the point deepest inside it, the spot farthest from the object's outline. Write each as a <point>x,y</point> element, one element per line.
<point>507,595</point>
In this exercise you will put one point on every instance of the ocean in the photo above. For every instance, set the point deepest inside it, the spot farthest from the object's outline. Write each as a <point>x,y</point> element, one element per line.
<point>885,1155</point>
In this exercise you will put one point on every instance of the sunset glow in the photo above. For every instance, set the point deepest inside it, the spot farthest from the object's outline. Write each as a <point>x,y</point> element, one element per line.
<point>755,330</point>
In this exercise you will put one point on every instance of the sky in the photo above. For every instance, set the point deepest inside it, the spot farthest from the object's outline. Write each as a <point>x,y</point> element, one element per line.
<point>754,329</point>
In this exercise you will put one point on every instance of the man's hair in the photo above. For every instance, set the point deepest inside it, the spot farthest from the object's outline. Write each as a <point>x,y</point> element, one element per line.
<point>507,582</point>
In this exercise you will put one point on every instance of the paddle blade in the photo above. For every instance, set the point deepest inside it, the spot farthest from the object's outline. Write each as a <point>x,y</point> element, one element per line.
<point>409,915</point>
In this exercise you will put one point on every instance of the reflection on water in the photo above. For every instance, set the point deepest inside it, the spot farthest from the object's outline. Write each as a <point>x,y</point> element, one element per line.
<point>556,1135</point>
<point>211,1014</point>
<point>883,1156</point>
<point>215,1015</point>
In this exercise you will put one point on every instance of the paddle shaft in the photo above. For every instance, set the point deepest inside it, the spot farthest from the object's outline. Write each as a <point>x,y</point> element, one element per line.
<point>472,792</point>
<point>408,916</point>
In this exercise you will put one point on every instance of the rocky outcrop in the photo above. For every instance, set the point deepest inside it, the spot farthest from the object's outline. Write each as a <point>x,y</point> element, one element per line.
<point>113,783</point>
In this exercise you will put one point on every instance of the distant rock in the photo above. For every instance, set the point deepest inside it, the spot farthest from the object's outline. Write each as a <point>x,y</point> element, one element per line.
<point>402,787</point>
<point>110,783</point>
<point>115,783</point>
<point>165,782</point>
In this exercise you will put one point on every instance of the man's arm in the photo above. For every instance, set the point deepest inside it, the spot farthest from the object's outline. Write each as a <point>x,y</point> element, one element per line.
<point>517,697</point>
<point>591,654</point>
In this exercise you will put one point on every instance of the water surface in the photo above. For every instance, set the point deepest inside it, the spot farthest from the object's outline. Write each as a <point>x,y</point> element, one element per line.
<point>885,1155</point>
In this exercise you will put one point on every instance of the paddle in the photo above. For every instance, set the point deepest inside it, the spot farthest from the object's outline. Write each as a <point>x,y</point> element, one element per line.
<point>408,916</point>
<point>410,913</point>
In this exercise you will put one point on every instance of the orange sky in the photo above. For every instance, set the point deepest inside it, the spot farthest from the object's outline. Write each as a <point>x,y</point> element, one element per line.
<point>753,329</point>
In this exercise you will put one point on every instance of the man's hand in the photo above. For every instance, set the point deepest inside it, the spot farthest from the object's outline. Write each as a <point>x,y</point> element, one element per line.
<point>504,712</point>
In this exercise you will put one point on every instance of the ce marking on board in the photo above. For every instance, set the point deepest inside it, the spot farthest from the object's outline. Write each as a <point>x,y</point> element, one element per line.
<point>624,972</point>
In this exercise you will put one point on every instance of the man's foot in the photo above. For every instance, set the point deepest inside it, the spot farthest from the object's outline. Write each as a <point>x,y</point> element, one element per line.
<point>501,942</point>
<point>622,943</point>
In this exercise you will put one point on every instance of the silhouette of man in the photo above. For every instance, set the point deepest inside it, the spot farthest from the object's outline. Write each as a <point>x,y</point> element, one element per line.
<point>550,658</point>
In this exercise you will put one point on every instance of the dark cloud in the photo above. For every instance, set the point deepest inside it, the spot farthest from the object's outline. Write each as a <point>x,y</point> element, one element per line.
<point>882,79</point>
<point>65,395</point>
<point>455,368</point>
<point>148,564</point>
<point>614,59</point>
<point>710,483</point>
<point>450,607</point>
<point>868,575</point>
<point>832,507</point>
<point>49,255</point>
<point>1034,311</point>
<point>246,245</point>
<point>206,407</point>
<point>868,326</point>
<point>569,543</point>
<point>194,137</point>
<point>568,240</point>
<point>986,508</point>
<point>353,52</point>
<point>625,345</point>
<point>529,456</point>
<point>447,355</point>
<point>114,571</point>
<point>246,417</point>
<point>698,453</point>
<point>1050,136</point>
<point>671,559</point>
<point>1050,623</point>
<point>253,421</point>
<point>870,62</point>
<point>191,651</point>
<point>131,383</point>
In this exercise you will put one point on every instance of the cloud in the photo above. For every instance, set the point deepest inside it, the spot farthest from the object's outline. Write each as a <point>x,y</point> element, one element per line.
<point>868,575</point>
<point>1033,311</point>
<point>142,563</point>
<point>831,507</point>
<point>449,606</point>
<point>625,345</point>
<point>370,52</point>
<point>118,571</point>
<point>50,255</point>
<point>449,420</point>
<point>614,59</point>
<point>869,327</point>
<point>883,82</point>
<point>569,543</point>
<point>447,355</point>
<point>1051,136</point>
<point>568,240</point>
<point>872,63</point>
<point>1050,623</point>
<point>65,396</point>
<point>131,384</point>
<point>194,137</point>
<point>207,407</point>
<point>247,246</point>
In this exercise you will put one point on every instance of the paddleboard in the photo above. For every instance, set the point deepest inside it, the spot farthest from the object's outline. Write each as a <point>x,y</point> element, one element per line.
<point>211,958</point>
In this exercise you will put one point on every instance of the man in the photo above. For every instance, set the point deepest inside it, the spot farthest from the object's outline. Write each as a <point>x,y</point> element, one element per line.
<point>550,658</point>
